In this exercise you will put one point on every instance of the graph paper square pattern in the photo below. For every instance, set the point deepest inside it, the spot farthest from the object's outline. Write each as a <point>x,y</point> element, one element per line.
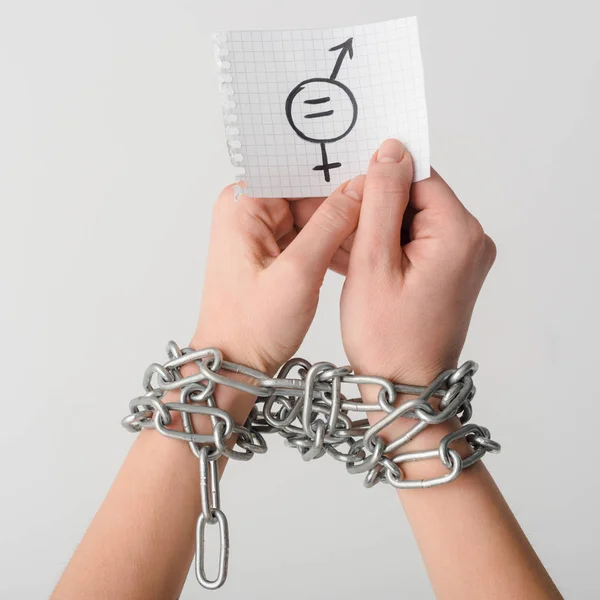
<point>304,110</point>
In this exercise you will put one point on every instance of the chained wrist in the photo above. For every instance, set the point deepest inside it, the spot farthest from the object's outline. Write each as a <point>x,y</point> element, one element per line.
<point>429,437</point>
<point>230,352</point>
<point>313,415</point>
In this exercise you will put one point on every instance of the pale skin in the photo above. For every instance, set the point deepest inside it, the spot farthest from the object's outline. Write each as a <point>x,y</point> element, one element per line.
<point>426,257</point>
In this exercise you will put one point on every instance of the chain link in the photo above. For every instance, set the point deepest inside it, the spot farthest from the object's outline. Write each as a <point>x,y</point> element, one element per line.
<point>313,415</point>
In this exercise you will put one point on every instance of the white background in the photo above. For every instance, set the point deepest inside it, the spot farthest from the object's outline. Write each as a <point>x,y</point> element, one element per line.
<point>111,154</point>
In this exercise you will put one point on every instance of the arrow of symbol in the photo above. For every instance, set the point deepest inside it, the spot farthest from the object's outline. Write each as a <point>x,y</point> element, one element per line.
<point>346,48</point>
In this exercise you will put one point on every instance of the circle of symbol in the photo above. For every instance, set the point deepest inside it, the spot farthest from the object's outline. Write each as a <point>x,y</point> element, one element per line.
<point>299,88</point>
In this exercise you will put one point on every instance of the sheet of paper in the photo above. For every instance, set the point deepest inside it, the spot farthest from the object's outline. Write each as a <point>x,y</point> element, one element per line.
<point>304,110</point>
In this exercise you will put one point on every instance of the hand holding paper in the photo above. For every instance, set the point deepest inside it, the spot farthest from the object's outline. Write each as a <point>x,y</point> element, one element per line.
<point>305,110</point>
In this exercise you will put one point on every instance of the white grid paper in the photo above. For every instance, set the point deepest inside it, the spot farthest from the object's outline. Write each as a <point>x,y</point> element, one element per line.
<point>385,75</point>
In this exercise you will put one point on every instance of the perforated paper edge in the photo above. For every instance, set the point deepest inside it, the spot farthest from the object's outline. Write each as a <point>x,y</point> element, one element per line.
<point>228,106</point>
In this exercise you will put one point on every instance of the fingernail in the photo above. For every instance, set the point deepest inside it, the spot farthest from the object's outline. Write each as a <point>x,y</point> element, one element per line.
<point>391,151</point>
<point>354,188</point>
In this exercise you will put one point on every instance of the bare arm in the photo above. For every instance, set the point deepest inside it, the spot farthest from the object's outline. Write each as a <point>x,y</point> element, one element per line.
<point>260,296</point>
<point>414,269</point>
<point>427,258</point>
<point>141,541</point>
<point>470,541</point>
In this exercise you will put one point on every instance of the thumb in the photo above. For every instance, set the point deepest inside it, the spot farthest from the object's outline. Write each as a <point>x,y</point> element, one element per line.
<point>386,195</point>
<point>327,229</point>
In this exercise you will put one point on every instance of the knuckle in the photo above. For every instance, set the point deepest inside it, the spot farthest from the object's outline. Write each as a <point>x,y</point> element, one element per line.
<point>226,195</point>
<point>472,247</point>
<point>273,214</point>
<point>284,216</point>
<point>491,251</point>
<point>223,205</point>
<point>473,235</point>
<point>336,214</point>
<point>386,184</point>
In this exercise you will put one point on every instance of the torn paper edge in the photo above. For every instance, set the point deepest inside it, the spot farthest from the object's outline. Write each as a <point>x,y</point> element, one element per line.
<point>228,105</point>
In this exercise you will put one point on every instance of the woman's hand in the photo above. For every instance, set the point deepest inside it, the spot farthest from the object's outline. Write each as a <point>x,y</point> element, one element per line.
<point>260,295</point>
<point>263,278</point>
<point>413,270</point>
<point>417,264</point>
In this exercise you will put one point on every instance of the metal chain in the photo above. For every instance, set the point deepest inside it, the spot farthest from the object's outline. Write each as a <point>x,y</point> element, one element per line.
<point>312,414</point>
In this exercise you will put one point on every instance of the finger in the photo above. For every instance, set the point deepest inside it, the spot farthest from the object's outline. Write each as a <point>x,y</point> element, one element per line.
<point>386,195</point>
<point>255,222</point>
<point>441,217</point>
<point>304,208</point>
<point>225,199</point>
<point>340,261</point>
<point>284,241</point>
<point>272,215</point>
<point>323,234</point>
<point>434,193</point>
<point>438,212</point>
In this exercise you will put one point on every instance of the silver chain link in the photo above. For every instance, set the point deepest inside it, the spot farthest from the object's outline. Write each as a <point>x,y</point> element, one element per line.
<point>312,414</point>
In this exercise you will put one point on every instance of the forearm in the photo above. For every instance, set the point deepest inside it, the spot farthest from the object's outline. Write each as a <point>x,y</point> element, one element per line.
<point>141,541</point>
<point>470,541</point>
<point>260,295</point>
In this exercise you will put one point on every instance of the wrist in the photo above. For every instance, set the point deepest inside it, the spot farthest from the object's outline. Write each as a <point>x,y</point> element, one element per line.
<point>233,352</point>
<point>428,439</point>
<point>408,365</point>
<point>236,402</point>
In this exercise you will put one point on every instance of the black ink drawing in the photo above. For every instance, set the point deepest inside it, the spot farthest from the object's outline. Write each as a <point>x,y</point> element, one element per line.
<point>310,93</point>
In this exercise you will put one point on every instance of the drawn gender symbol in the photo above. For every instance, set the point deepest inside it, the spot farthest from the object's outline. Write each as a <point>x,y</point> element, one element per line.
<point>327,97</point>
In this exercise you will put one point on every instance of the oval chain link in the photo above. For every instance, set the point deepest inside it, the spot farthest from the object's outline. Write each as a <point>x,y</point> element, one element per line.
<point>313,415</point>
